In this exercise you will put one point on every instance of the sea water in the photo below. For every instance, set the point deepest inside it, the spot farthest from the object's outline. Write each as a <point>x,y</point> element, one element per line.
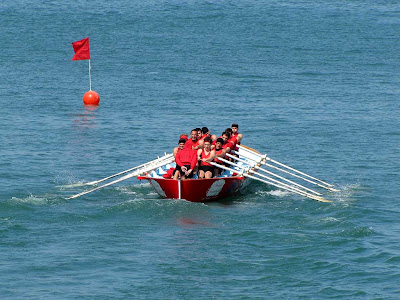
<point>314,84</point>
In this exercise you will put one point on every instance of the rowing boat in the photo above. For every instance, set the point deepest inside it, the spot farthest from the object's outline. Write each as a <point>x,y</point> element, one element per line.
<point>230,182</point>
<point>240,167</point>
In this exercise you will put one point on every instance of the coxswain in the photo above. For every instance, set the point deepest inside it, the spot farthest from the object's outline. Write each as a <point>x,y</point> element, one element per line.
<point>186,160</point>
<point>194,143</point>
<point>205,156</point>
<point>219,152</point>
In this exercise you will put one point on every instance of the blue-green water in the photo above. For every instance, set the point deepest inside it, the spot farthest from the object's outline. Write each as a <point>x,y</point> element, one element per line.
<point>314,84</point>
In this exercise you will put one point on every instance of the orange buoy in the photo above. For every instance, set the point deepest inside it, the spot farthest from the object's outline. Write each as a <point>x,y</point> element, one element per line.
<point>91,98</point>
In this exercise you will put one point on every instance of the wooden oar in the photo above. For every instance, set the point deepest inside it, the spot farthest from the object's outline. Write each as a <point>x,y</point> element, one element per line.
<point>251,157</point>
<point>283,185</point>
<point>273,174</point>
<point>271,183</point>
<point>133,174</point>
<point>285,166</point>
<point>165,157</point>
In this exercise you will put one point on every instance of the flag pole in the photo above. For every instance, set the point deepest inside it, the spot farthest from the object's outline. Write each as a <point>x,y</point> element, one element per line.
<point>90,78</point>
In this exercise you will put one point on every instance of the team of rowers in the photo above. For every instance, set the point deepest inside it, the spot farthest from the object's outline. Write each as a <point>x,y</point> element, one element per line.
<point>193,155</point>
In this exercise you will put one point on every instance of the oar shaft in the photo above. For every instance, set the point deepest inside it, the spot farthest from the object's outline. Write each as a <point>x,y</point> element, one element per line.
<point>287,172</point>
<point>103,186</point>
<point>321,199</point>
<point>165,157</point>
<point>302,173</point>
<point>283,165</point>
<point>288,187</point>
<point>273,174</point>
<point>271,183</point>
<point>133,174</point>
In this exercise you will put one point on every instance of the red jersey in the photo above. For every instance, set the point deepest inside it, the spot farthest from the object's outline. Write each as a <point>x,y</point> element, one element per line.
<point>214,142</point>
<point>228,144</point>
<point>204,136</point>
<point>233,139</point>
<point>216,153</point>
<point>204,156</point>
<point>186,156</point>
<point>190,144</point>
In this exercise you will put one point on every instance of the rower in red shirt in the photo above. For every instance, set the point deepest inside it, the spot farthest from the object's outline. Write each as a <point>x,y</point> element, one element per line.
<point>194,143</point>
<point>199,133</point>
<point>228,146</point>
<point>183,136</point>
<point>186,160</point>
<point>205,156</point>
<point>231,139</point>
<point>219,152</point>
<point>204,133</point>
<point>236,137</point>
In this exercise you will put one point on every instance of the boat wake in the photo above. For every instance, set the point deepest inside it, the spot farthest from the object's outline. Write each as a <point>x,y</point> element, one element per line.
<point>348,193</point>
<point>66,180</point>
<point>275,193</point>
<point>35,200</point>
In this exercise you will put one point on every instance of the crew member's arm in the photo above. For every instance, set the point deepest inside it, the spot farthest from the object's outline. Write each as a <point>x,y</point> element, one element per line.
<point>200,145</point>
<point>228,147</point>
<point>222,154</point>
<point>199,154</point>
<point>193,162</point>
<point>178,159</point>
<point>175,152</point>
<point>211,158</point>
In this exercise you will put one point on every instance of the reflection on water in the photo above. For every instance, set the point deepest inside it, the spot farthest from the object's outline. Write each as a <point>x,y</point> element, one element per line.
<point>84,134</point>
<point>86,119</point>
<point>188,222</point>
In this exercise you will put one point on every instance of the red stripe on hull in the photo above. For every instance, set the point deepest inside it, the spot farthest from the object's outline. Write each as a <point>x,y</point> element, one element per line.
<point>196,190</point>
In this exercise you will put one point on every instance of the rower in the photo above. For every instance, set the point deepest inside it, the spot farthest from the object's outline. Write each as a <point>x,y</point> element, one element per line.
<point>186,160</point>
<point>194,143</point>
<point>219,152</point>
<point>235,134</point>
<point>229,130</point>
<point>184,137</point>
<point>231,139</point>
<point>205,156</point>
<point>205,133</point>
<point>227,145</point>
<point>199,133</point>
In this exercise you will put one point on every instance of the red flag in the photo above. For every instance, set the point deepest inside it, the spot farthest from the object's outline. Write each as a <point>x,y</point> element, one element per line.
<point>81,49</point>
